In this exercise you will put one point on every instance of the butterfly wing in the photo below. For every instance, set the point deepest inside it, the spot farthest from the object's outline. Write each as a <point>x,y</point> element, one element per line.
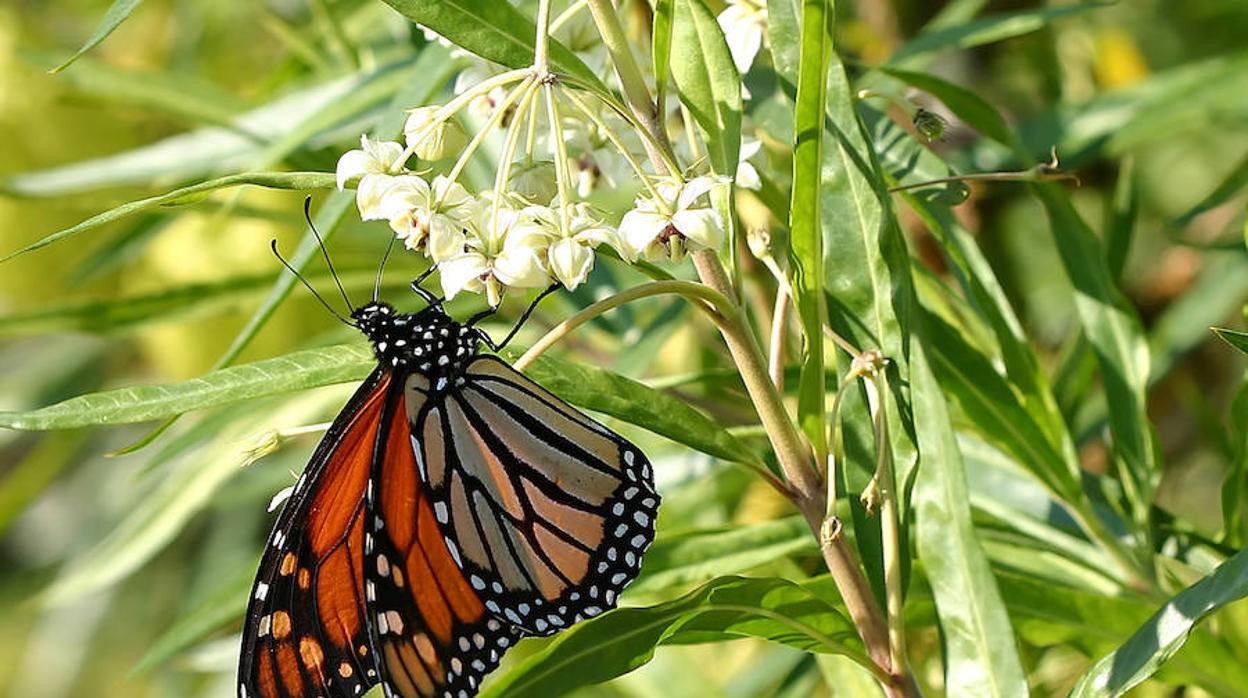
<point>431,630</point>
<point>546,511</point>
<point>305,632</point>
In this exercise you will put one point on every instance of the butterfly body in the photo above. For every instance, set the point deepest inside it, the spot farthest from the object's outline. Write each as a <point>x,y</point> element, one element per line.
<point>453,507</point>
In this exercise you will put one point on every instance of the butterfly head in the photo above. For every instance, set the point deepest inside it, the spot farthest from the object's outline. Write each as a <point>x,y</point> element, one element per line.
<point>428,342</point>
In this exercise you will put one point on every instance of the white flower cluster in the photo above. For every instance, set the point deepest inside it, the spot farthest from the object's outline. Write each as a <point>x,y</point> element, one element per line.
<point>523,238</point>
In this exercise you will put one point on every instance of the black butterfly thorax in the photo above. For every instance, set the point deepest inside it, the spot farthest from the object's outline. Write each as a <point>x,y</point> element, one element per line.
<point>428,342</point>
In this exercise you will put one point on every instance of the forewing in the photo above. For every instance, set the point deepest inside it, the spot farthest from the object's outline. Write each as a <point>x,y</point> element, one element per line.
<point>432,633</point>
<point>546,511</point>
<point>305,633</point>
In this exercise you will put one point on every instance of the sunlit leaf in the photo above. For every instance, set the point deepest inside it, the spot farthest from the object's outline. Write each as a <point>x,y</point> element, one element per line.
<point>1158,639</point>
<point>694,557</point>
<point>710,88</point>
<point>731,607</point>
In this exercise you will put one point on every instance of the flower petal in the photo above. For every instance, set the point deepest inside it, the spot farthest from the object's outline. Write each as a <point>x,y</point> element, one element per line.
<point>694,189</point>
<point>352,164</point>
<point>639,228</point>
<point>446,238</point>
<point>368,194</point>
<point>462,273</point>
<point>702,226</point>
<point>570,262</point>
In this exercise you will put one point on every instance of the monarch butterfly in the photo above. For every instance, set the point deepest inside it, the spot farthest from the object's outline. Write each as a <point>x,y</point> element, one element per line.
<point>453,507</point>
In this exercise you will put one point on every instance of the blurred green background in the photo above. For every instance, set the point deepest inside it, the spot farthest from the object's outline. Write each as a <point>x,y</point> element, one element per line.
<point>1146,101</point>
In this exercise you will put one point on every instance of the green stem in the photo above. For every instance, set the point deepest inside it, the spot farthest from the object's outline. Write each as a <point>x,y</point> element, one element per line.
<point>559,148</point>
<point>619,145</point>
<point>710,301</point>
<point>890,530</point>
<point>629,72</point>
<point>452,107</point>
<point>503,176</point>
<point>495,119</point>
<point>541,52</point>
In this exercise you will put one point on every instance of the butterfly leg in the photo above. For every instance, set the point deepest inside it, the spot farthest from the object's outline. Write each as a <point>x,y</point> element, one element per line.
<point>489,342</point>
<point>425,293</point>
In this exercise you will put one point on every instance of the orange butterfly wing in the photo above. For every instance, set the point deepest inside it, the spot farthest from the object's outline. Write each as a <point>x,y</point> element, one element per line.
<point>305,632</point>
<point>546,511</point>
<point>431,631</point>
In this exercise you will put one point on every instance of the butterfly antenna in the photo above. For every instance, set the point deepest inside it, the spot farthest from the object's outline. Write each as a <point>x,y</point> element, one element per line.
<point>307,214</point>
<point>301,278</point>
<point>380,268</point>
<point>523,317</point>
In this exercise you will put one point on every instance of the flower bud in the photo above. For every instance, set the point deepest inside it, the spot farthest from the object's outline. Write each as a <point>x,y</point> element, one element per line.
<point>433,141</point>
<point>759,240</point>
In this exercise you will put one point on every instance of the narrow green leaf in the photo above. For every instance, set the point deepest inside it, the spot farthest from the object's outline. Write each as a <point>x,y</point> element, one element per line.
<point>1234,183</point>
<point>117,13</point>
<point>625,399</point>
<point>300,370</point>
<point>618,642</point>
<point>987,30</point>
<point>302,181</point>
<point>1113,329</point>
<point>177,303</point>
<point>987,400</point>
<point>1239,340</point>
<point>806,232</point>
<point>1048,613</point>
<point>1158,639</point>
<point>965,104</point>
<point>159,515</point>
<point>493,30</point>
<point>981,658</point>
<point>783,25</point>
<point>709,85</point>
<point>661,45</point>
<point>694,557</point>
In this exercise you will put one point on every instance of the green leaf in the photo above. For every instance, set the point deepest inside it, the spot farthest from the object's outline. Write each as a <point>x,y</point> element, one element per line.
<point>1235,483</point>
<point>967,105</point>
<point>806,233</point>
<point>1048,613</point>
<point>981,658</point>
<point>1239,340</point>
<point>1158,639</point>
<point>493,30</point>
<point>1114,332</point>
<point>117,13</point>
<point>618,642</point>
<point>156,517</point>
<point>303,369</point>
<point>661,46</point>
<point>302,181</point>
<point>709,85</point>
<point>694,557</point>
<point>1234,183</point>
<point>178,303</point>
<point>987,30</point>
<point>625,399</point>
<point>991,405</point>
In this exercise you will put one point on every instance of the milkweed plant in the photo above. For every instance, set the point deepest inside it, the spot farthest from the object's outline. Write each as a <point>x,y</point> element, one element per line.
<point>919,517</point>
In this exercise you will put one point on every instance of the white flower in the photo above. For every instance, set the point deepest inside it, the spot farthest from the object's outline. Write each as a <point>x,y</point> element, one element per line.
<point>433,141</point>
<point>648,231</point>
<point>745,25</point>
<point>571,258</point>
<point>506,248</point>
<point>426,217</point>
<point>479,70</point>
<point>747,176</point>
<point>374,163</point>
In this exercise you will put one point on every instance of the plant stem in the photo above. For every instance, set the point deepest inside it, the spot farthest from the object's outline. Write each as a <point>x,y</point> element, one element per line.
<point>775,345</point>
<point>890,530</point>
<point>629,72</point>
<point>700,294</point>
<point>541,51</point>
<point>489,126</point>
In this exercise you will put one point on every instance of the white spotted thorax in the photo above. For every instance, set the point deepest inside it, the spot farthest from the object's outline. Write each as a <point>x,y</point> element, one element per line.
<point>428,342</point>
